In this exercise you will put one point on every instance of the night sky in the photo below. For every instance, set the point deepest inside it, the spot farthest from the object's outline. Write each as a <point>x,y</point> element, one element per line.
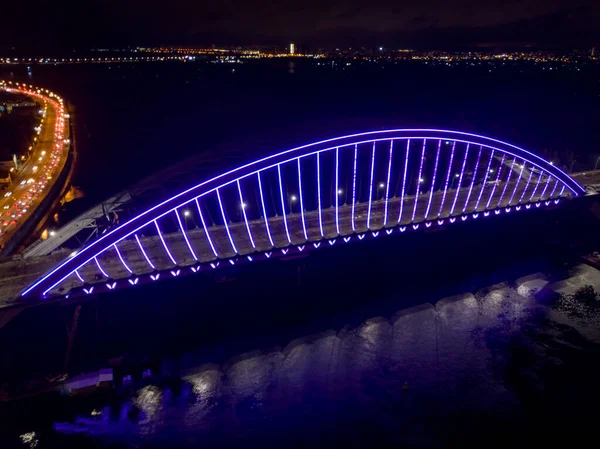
<point>316,23</point>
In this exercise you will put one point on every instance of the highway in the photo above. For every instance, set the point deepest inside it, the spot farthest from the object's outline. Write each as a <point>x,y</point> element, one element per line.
<point>32,182</point>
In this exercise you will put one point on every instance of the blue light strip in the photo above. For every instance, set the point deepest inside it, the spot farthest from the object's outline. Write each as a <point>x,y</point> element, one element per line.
<point>536,186</point>
<point>243,206</point>
<point>387,184</point>
<point>164,243</point>
<point>287,231</point>
<point>497,181</point>
<point>354,187</point>
<point>447,179</point>
<point>462,171</point>
<point>159,210</point>
<point>301,202</point>
<point>371,187</point>
<point>122,260</point>
<point>144,252</point>
<point>79,276</point>
<point>518,182</point>
<point>185,237</point>
<point>419,181</point>
<point>554,188</point>
<point>472,180</point>
<point>485,178</point>
<point>225,222</point>
<point>319,193</point>
<point>546,186</point>
<point>526,185</point>
<point>264,209</point>
<point>337,193</point>
<point>437,157</point>
<point>100,268</point>
<point>404,181</point>
<point>210,242</point>
<point>507,181</point>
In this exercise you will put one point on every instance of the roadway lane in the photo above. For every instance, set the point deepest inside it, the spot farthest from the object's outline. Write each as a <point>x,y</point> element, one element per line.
<point>33,181</point>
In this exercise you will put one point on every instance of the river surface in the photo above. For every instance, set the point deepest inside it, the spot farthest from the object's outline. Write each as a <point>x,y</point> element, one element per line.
<point>458,340</point>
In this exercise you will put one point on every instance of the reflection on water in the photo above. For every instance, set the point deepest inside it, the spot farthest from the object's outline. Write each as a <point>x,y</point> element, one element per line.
<point>492,364</point>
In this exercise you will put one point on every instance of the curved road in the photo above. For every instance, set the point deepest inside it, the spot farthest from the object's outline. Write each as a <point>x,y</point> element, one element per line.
<point>33,181</point>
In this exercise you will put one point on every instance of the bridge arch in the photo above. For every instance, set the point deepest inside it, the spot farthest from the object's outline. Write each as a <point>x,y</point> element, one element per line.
<point>324,193</point>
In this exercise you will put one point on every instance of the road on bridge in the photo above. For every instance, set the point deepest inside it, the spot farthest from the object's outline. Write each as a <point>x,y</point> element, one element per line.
<point>32,183</point>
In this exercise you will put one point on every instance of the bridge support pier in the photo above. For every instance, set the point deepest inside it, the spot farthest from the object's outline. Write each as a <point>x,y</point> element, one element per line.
<point>71,333</point>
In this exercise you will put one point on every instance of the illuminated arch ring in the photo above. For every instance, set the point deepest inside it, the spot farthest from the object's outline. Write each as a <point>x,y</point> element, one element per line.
<point>90,253</point>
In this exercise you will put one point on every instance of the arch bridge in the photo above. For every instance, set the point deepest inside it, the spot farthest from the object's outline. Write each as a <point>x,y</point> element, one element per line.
<point>332,192</point>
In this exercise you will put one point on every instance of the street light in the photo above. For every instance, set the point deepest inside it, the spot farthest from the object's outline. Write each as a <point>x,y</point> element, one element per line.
<point>186,213</point>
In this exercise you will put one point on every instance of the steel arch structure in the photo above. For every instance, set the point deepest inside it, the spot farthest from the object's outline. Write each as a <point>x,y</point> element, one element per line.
<point>328,192</point>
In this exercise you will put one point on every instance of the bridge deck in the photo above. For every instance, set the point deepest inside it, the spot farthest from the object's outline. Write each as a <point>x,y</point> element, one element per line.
<point>16,275</point>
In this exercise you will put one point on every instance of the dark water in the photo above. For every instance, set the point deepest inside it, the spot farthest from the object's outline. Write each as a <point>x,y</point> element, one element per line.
<point>268,357</point>
<point>491,354</point>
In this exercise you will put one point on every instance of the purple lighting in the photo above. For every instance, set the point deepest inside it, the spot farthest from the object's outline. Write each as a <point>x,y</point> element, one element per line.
<point>264,209</point>
<point>130,227</point>
<point>437,157</point>
<point>517,183</point>
<point>546,186</point>
<point>487,172</point>
<point>537,184</point>
<point>301,203</point>
<point>387,184</point>
<point>122,260</point>
<point>462,171</point>
<point>495,183</point>
<point>354,187</point>
<point>419,181</point>
<point>185,237</point>
<point>287,232</point>
<point>243,206</point>
<point>336,193</point>
<point>404,181</point>
<point>554,188</point>
<point>210,242</point>
<point>79,276</point>
<point>371,187</point>
<point>225,222</point>
<point>319,193</point>
<point>507,181</point>
<point>526,185</point>
<point>164,243</point>
<point>144,252</point>
<point>472,180</point>
<point>447,179</point>
<point>104,273</point>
